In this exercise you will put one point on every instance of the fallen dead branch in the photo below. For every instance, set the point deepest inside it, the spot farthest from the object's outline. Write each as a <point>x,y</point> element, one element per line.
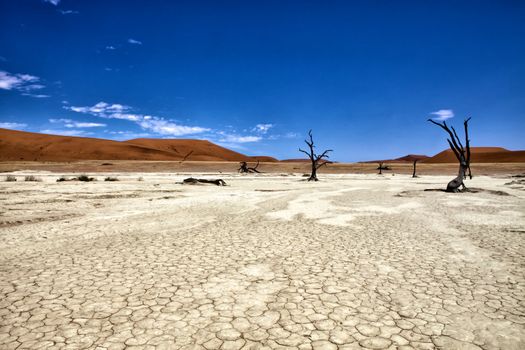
<point>194,181</point>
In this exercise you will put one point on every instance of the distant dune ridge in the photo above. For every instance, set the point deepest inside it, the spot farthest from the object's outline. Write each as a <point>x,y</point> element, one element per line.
<point>28,146</point>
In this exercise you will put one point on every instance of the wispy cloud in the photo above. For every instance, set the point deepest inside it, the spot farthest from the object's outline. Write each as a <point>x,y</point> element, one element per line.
<point>443,114</point>
<point>67,132</point>
<point>165,127</point>
<point>36,95</point>
<point>127,135</point>
<point>9,125</point>
<point>68,12</point>
<point>54,2</point>
<point>262,128</point>
<point>232,138</point>
<point>101,109</point>
<point>110,47</point>
<point>134,42</point>
<point>68,123</point>
<point>158,125</point>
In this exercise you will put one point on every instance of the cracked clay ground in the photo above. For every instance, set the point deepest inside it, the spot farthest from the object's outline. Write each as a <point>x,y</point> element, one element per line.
<point>268,262</point>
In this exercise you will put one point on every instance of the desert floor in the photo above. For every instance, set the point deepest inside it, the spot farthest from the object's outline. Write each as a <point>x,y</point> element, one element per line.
<point>352,261</point>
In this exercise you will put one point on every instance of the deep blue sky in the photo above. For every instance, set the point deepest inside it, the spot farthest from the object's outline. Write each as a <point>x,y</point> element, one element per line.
<point>256,75</point>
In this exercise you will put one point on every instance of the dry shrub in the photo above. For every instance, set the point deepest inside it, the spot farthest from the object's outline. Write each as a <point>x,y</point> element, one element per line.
<point>31,178</point>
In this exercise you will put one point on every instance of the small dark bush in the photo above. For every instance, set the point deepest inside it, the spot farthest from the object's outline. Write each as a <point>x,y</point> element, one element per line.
<point>109,178</point>
<point>10,178</point>
<point>85,178</point>
<point>62,178</point>
<point>31,178</point>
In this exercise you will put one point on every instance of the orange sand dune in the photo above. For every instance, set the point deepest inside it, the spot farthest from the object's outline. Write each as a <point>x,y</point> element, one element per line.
<point>481,155</point>
<point>20,145</point>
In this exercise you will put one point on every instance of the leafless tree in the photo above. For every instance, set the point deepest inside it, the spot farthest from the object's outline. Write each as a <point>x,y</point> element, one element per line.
<point>317,160</point>
<point>246,169</point>
<point>462,154</point>
<point>414,171</point>
<point>382,167</point>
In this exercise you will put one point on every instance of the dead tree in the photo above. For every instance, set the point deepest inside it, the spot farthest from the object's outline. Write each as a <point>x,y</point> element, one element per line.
<point>317,160</point>
<point>246,169</point>
<point>462,154</point>
<point>382,167</point>
<point>414,171</point>
<point>194,181</point>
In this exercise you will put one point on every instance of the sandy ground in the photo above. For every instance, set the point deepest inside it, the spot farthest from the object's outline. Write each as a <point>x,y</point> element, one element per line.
<point>353,261</point>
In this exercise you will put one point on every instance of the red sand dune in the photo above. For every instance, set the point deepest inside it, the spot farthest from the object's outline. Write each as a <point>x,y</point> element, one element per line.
<point>481,155</point>
<point>21,145</point>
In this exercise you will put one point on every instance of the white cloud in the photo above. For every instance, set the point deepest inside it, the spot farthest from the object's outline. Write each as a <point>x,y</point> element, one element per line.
<point>69,132</point>
<point>134,42</point>
<point>54,2</point>
<point>21,82</point>
<point>9,125</point>
<point>443,114</point>
<point>262,128</point>
<point>10,81</point>
<point>154,124</point>
<point>110,47</point>
<point>68,123</point>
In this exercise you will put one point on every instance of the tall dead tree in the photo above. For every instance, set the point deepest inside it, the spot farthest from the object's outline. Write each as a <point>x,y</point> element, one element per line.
<point>244,168</point>
<point>317,160</point>
<point>414,171</point>
<point>462,154</point>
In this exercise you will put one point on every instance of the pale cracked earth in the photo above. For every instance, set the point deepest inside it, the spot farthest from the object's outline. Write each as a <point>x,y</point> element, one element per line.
<point>268,262</point>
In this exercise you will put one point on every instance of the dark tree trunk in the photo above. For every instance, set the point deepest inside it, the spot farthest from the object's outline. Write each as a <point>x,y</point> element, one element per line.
<point>414,171</point>
<point>454,185</point>
<point>313,174</point>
